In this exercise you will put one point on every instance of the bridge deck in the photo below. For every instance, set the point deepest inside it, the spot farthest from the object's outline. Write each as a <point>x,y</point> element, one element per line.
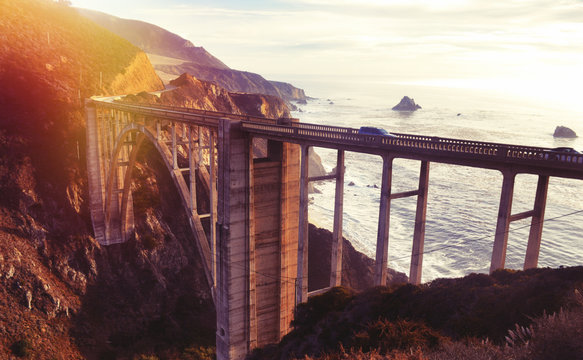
<point>521,159</point>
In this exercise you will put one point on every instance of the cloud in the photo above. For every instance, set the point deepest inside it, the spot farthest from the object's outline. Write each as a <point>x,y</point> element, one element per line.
<point>383,38</point>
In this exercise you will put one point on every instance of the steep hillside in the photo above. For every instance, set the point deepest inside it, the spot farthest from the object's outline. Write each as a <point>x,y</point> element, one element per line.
<point>197,61</point>
<point>62,296</point>
<point>155,40</point>
<point>535,314</point>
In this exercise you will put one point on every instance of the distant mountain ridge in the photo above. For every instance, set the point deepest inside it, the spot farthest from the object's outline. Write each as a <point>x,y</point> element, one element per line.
<point>197,61</point>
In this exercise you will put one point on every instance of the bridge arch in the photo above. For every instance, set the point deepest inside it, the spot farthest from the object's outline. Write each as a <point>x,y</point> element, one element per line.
<point>123,149</point>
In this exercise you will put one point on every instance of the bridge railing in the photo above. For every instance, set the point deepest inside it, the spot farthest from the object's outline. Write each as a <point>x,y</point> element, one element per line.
<point>350,136</point>
<point>210,113</point>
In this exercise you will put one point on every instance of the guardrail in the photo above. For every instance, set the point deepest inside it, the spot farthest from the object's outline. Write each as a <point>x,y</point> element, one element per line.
<point>218,114</point>
<point>401,141</point>
<point>350,136</point>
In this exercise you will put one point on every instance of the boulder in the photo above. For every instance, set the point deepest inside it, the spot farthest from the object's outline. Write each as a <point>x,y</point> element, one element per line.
<point>406,104</point>
<point>564,132</point>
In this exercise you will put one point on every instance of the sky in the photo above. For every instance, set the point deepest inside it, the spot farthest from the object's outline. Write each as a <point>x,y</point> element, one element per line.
<point>533,47</point>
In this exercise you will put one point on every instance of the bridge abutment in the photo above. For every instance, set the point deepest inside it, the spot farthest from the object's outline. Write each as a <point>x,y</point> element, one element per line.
<point>257,242</point>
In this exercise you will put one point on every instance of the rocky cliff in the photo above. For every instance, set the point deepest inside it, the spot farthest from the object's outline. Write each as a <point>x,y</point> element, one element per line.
<point>196,60</point>
<point>188,91</point>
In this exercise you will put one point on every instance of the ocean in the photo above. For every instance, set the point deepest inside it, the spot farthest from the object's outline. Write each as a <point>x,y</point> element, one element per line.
<point>462,201</point>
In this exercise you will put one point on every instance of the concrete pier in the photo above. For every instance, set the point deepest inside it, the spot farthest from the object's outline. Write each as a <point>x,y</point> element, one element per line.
<point>258,208</point>
<point>419,233</point>
<point>503,224</point>
<point>382,252</point>
<point>336,260</point>
<point>536,225</point>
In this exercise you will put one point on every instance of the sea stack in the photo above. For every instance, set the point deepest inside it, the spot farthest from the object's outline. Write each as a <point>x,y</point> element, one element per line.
<point>564,132</point>
<point>406,104</point>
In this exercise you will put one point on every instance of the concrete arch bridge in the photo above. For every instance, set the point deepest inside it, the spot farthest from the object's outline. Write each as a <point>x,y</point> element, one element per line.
<point>255,250</point>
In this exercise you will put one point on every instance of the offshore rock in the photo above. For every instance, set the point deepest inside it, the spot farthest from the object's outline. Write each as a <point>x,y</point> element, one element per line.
<point>406,104</point>
<point>564,132</point>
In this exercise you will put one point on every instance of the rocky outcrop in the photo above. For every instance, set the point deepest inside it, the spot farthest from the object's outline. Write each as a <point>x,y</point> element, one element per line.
<point>289,92</point>
<point>199,94</point>
<point>406,104</point>
<point>357,268</point>
<point>261,105</point>
<point>564,132</point>
<point>315,168</point>
<point>235,80</point>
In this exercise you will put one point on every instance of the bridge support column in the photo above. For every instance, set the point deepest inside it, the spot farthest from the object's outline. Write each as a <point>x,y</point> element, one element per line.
<point>302,278</point>
<point>192,165</point>
<point>212,202</point>
<point>536,225</point>
<point>419,234</point>
<point>336,261</point>
<point>94,171</point>
<point>383,228</point>
<point>174,150</point>
<point>503,224</point>
<point>290,181</point>
<point>235,304</point>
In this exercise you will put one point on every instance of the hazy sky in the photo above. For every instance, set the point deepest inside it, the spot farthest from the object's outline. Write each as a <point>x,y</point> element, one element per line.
<point>530,46</point>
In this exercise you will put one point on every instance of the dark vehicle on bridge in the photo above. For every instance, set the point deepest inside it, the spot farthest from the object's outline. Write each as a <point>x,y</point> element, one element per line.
<point>560,153</point>
<point>370,130</point>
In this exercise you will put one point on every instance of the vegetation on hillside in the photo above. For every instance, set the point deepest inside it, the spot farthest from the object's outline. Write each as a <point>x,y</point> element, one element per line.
<point>508,315</point>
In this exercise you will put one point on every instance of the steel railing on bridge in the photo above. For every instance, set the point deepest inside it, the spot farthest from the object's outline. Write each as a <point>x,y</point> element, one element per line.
<point>346,137</point>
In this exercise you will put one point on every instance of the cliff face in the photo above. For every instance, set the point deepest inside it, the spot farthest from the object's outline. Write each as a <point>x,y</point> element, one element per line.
<point>288,91</point>
<point>234,80</point>
<point>197,61</point>
<point>199,94</point>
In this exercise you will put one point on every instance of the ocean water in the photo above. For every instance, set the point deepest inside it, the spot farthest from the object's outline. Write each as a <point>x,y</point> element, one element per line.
<point>462,201</point>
